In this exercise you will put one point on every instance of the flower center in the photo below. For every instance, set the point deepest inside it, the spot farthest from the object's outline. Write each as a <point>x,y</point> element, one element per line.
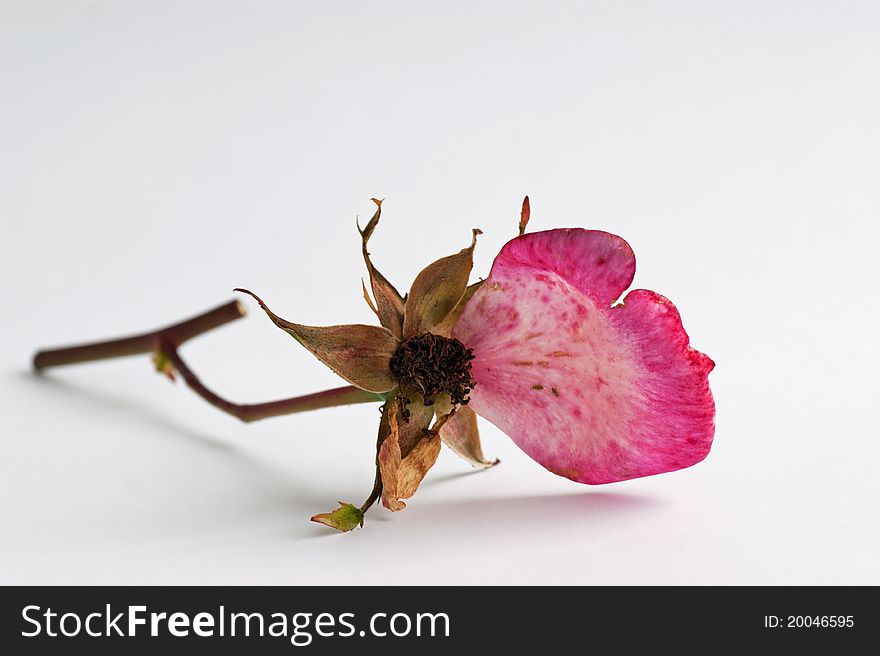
<point>433,365</point>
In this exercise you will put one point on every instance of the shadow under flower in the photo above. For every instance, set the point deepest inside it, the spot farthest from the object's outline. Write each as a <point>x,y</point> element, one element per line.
<point>272,496</point>
<point>221,467</point>
<point>122,406</point>
<point>539,512</point>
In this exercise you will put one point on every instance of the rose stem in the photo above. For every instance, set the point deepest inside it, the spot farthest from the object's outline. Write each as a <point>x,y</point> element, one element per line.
<point>167,340</point>
<point>137,344</point>
<point>252,411</point>
<point>375,492</point>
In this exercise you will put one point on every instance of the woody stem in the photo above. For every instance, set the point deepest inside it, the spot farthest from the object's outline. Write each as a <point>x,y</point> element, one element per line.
<point>375,492</point>
<point>166,342</point>
<point>144,343</point>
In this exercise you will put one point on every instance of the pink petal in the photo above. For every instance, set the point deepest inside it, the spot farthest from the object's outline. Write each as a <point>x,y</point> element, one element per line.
<point>594,393</point>
<point>598,263</point>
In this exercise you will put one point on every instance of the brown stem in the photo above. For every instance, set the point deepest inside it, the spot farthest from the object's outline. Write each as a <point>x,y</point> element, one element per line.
<point>252,411</point>
<point>375,492</point>
<point>145,343</point>
<point>167,340</point>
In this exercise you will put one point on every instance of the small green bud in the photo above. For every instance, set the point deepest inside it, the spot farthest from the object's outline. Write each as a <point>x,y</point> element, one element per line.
<point>163,364</point>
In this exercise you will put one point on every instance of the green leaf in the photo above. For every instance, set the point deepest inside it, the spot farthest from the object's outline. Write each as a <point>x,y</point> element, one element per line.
<point>344,518</point>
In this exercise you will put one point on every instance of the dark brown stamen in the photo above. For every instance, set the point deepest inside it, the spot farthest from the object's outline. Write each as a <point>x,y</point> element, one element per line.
<point>432,365</point>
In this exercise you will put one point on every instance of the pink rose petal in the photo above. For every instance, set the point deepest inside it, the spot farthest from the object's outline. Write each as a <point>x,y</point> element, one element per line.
<point>598,263</point>
<point>592,392</point>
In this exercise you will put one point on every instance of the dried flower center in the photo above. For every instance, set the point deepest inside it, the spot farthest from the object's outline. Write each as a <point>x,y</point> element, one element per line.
<point>433,365</point>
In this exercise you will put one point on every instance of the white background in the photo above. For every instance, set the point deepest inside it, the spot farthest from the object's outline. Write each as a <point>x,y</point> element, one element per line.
<point>154,156</point>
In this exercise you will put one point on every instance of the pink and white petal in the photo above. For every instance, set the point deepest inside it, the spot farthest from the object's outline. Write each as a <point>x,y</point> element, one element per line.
<point>599,264</point>
<point>593,393</point>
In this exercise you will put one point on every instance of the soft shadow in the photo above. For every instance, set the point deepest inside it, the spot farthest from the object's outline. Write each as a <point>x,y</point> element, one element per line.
<point>541,511</point>
<point>103,401</point>
<point>269,499</point>
<point>261,488</point>
<point>432,481</point>
<point>605,512</point>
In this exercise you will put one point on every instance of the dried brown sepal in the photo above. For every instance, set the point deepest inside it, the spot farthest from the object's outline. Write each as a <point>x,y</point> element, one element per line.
<point>345,518</point>
<point>524,215</point>
<point>389,459</point>
<point>461,434</point>
<point>444,328</point>
<point>437,290</point>
<point>414,467</point>
<point>389,303</point>
<point>401,475</point>
<point>368,299</point>
<point>413,419</point>
<point>360,354</point>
